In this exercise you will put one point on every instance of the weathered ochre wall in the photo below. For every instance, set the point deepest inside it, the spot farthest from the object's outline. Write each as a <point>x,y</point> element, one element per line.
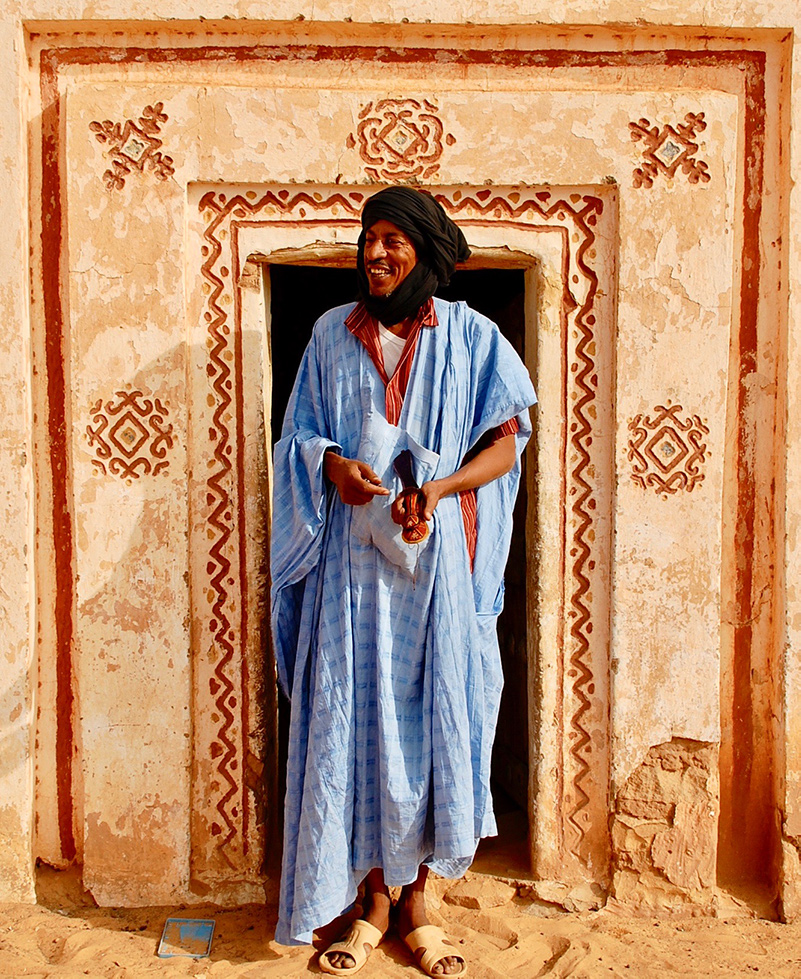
<point>18,675</point>
<point>663,681</point>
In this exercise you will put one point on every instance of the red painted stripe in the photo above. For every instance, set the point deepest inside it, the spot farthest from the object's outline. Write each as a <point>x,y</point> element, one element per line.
<point>58,442</point>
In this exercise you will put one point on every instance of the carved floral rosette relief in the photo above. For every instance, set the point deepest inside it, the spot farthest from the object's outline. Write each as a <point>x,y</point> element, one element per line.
<point>667,451</point>
<point>668,148</point>
<point>221,802</point>
<point>130,435</point>
<point>399,139</point>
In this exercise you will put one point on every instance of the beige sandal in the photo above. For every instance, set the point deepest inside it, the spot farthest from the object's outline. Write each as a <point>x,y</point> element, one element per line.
<point>361,933</point>
<point>435,946</point>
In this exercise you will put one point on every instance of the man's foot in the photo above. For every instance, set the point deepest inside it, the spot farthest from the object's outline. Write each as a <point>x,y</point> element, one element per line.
<point>435,953</point>
<point>377,905</point>
<point>431,948</point>
<point>347,956</point>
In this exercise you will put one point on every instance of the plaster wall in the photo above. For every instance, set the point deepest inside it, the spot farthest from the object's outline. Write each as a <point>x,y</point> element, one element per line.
<point>664,623</point>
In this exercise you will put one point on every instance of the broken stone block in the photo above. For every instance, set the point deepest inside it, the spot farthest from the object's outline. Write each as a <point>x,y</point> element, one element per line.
<point>480,893</point>
<point>585,897</point>
<point>552,891</point>
<point>685,853</point>
<point>664,832</point>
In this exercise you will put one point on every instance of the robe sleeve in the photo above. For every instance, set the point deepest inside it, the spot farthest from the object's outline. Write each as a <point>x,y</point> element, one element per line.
<point>512,427</point>
<point>503,393</point>
<point>300,496</point>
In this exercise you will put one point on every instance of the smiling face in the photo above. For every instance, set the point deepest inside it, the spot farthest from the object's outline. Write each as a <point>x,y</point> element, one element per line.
<point>389,256</point>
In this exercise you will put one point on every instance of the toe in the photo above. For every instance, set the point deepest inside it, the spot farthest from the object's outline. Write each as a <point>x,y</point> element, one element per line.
<point>340,960</point>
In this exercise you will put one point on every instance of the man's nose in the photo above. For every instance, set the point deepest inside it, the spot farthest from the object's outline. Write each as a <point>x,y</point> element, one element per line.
<point>374,250</point>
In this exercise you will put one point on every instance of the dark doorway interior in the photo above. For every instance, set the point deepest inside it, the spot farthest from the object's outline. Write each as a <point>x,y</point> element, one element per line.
<point>298,296</point>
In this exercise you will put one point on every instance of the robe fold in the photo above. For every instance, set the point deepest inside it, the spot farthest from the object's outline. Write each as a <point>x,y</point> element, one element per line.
<point>392,666</point>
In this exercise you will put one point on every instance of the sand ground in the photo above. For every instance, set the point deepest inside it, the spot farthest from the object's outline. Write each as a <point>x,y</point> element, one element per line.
<point>66,936</point>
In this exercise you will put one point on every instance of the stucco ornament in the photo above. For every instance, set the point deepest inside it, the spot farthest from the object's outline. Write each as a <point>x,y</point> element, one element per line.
<point>134,146</point>
<point>400,138</point>
<point>668,148</point>
<point>666,451</point>
<point>130,435</point>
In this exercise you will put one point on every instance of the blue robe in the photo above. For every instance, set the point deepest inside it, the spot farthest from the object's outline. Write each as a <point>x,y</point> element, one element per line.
<point>393,671</point>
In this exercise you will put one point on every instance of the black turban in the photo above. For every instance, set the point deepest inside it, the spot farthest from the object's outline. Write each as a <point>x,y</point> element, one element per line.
<point>438,242</point>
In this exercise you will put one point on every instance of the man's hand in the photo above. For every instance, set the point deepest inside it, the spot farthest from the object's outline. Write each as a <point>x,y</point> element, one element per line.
<point>355,481</point>
<point>417,503</point>
<point>430,495</point>
<point>488,464</point>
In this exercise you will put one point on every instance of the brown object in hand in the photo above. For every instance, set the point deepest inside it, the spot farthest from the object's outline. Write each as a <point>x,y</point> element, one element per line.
<point>415,530</point>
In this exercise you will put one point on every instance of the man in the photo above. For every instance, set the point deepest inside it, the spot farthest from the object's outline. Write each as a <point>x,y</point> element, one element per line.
<point>408,414</point>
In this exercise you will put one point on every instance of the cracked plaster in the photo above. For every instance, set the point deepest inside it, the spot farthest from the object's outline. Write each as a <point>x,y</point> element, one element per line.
<point>126,309</point>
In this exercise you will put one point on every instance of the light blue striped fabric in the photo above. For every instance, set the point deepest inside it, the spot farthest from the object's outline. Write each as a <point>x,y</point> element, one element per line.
<point>394,677</point>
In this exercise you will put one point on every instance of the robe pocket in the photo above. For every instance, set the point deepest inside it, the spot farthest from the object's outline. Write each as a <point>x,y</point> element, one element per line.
<point>373,523</point>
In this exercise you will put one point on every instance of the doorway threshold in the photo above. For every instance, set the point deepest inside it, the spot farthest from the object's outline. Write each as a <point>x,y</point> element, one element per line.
<point>507,854</point>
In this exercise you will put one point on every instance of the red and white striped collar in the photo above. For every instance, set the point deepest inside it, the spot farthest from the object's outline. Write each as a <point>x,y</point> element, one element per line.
<point>359,318</point>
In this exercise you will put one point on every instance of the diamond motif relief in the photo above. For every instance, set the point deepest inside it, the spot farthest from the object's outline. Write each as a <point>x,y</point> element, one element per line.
<point>128,435</point>
<point>667,152</point>
<point>136,442</point>
<point>668,149</point>
<point>666,451</point>
<point>135,143</point>
<point>134,146</point>
<point>400,139</point>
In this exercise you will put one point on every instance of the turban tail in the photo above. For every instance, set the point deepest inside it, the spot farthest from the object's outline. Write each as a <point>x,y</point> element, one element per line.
<point>439,244</point>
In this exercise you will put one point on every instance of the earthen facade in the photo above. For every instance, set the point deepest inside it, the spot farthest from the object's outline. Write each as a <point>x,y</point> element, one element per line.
<point>636,165</point>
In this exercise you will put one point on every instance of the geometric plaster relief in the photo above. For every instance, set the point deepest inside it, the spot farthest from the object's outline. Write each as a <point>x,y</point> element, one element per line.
<point>133,147</point>
<point>130,434</point>
<point>666,451</point>
<point>667,149</point>
<point>400,139</point>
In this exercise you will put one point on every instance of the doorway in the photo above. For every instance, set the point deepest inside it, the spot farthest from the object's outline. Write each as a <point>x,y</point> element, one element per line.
<point>299,294</point>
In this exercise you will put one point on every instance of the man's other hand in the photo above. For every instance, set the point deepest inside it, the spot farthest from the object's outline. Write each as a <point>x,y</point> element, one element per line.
<point>430,495</point>
<point>417,504</point>
<point>355,481</point>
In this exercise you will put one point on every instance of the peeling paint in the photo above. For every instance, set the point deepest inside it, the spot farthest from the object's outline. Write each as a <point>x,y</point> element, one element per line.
<point>117,305</point>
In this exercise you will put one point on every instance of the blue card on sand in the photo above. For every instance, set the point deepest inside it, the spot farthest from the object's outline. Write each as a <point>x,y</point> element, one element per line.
<point>186,936</point>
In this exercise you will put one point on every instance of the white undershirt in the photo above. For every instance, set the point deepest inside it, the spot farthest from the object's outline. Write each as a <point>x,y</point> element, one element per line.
<point>391,347</point>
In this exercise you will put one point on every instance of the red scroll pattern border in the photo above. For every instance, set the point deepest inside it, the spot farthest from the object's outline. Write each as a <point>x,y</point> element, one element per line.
<point>541,209</point>
<point>219,566</point>
<point>584,212</point>
<point>223,687</point>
